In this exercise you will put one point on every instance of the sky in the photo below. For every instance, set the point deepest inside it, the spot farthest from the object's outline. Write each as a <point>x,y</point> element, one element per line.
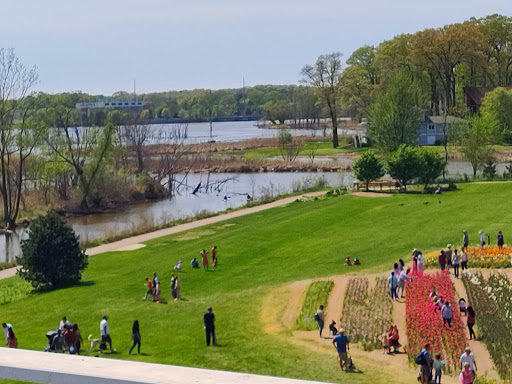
<point>100,47</point>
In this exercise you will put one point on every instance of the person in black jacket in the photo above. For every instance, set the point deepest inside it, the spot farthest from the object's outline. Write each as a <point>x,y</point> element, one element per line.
<point>209,326</point>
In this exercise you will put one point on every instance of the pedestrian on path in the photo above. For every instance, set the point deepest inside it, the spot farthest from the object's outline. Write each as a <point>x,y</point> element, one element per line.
<point>342,345</point>
<point>482,239</point>
<point>426,365</point>
<point>135,337</point>
<point>467,375</point>
<point>320,318</point>
<point>468,358</point>
<point>464,260</point>
<point>404,276</point>
<point>455,263</point>
<point>393,284</point>
<point>209,327</point>
<point>441,259</point>
<point>438,365</point>
<point>471,322</point>
<point>12,341</point>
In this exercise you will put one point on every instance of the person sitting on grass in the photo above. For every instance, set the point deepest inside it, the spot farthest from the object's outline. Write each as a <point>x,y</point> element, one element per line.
<point>347,261</point>
<point>194,263</point>
<point>177,267</point>
<point>356,261</point>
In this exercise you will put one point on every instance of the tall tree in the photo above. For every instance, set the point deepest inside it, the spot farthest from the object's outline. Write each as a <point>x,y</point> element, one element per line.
<point>18,129</point>
<point>325,77</point>
<point>475,140</point>
<point>497,106</point>
<point>394,117</point>
<point>404,164</point>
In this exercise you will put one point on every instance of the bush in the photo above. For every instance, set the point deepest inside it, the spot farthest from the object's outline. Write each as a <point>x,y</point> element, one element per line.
<point>51,256</point>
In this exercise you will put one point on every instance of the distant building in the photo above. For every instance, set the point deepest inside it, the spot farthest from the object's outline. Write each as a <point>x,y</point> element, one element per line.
<point>473,97</point>
<point>109,103</point>
<point>432,129</point>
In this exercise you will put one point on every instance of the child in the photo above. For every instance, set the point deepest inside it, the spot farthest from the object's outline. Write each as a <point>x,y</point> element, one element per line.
<point>214,262</point>
<point>467,375</point>
<point>462,307</point>
<point>438,367</point>
<point>149,283</point>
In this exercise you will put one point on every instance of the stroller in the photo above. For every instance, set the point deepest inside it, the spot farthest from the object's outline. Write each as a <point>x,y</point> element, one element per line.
<point>50,335</point>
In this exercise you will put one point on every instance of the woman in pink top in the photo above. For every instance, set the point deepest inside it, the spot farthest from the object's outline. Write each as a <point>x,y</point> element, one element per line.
<point>467,375</point>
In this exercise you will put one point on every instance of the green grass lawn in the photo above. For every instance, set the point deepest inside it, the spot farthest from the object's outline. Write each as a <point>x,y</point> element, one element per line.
<point>256,253</point>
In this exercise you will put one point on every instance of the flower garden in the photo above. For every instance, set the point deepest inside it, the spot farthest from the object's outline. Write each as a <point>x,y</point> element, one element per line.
<point>492,301</point>
<point>318,292</point>
<point>425,325</point>
<point>367,314</point>
<point>489,257</point>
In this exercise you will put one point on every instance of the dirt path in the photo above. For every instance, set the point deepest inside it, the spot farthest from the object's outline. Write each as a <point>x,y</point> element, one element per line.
<point>482,357</point>
<point>335,303</point>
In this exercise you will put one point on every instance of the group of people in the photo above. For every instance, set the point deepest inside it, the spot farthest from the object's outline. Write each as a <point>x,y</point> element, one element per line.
<point>447,258</point>
<point>153,288</point>
<point>68,338</point>
<point>396,281</point>
<point>499,239</point>
<point>348,262</point>
<point>467,365</point>
<point>204,259</point>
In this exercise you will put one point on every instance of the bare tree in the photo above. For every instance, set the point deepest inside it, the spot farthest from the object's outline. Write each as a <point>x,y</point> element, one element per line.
<point>325,77</point>
<point>137,134</point>
<point>16,142</point>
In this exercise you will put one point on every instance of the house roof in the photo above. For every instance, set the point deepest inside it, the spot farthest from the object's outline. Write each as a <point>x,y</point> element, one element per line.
<point>448,119</point>
<point>478,93</point>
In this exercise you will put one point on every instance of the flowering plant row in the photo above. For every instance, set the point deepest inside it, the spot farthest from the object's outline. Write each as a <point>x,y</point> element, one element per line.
<point>425,324</point>
<point>367,315</point>
<point>489,257</point>
<point>492,301</point>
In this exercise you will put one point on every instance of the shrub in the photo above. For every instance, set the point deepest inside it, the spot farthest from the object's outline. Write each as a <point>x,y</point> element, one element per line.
<point>51,256</point>
<point>368,168</point>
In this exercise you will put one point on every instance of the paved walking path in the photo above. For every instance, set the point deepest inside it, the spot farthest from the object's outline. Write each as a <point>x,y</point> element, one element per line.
<point>134,242</point>
<point>56,368</point>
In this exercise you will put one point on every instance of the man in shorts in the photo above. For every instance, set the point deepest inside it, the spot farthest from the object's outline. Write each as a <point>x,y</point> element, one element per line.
<point>341,343</point>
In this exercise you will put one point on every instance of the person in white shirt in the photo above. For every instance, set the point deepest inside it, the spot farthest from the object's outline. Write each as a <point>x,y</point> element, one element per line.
<point>63,323</point>
<point>467,357</point>
<point>105,332</point>
<point>6,327</point>
<point>402,278</point>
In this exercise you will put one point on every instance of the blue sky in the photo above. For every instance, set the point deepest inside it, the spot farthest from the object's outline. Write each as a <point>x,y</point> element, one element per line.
<point>101,46</point>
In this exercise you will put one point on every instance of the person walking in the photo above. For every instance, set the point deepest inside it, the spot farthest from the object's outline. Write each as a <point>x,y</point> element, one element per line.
<point>447,313</point>
<point>482,239</point>
<point>438,368</point>
<point>420,263</point>
<point>342,345</point>
<point>78,338</point>
<point>135,337</point>
<point>468,358</point>
<point>175,287</point>
<point>404,276</point>
<point>155,282</point>
<point>441,259</point>
<point>320,318</point>
<point>467,374</point>
<point>455,263</point>
<point>105,333</point>
<point>465,241</point>
<point>471,322</point>
<point>500,240</point>
<point>204,256</point>
<point>209,326</point>
<point>150,291</point>
<point>393,284</point>
<point>464,260</point>
<point>426,365</point>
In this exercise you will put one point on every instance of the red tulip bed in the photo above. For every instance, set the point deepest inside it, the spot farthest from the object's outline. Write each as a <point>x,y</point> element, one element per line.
<point>492,301</point>
<point>367,315</point>
<point>425,325</point>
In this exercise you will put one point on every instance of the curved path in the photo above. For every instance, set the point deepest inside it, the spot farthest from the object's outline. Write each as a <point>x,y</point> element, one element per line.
<point>134,242</point>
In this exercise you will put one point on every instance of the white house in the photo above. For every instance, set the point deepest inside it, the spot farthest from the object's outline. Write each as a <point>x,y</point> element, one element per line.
<point>432,129</point>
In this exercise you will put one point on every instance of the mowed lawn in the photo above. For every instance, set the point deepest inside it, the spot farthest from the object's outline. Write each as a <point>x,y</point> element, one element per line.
<point>256,253</point>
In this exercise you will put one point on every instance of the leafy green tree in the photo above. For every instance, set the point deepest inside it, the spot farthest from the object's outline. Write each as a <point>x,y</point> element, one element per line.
<point>288,146</point>
<point>368,168</point>
<point>432,166</point>
<point>405,164</point>
<point>475,140</point>
<point>51,256</point>
<point>489,167</point>
<point>394,117</point>
<point>497,106</point>
<point>277,111</point>
<point>325,77</point>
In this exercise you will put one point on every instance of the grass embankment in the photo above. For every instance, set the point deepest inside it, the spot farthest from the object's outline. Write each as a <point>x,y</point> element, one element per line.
<point>256,254</point>
<point>317,294</point>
